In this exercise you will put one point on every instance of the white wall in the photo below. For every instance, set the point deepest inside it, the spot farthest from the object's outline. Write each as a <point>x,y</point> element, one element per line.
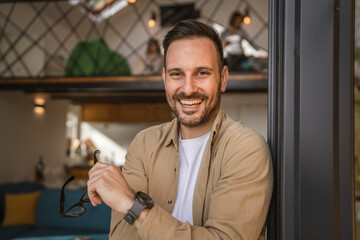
<point>249,108</point>
<point>24,136</point>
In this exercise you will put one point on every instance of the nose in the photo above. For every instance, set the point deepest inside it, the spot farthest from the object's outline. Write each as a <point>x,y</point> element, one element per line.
<point>189,86</point>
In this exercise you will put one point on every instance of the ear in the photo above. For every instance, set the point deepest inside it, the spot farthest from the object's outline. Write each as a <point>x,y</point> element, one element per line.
<point>224,78</point>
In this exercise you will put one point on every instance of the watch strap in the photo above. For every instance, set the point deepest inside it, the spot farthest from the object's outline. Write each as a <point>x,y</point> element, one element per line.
<point>134,212</point>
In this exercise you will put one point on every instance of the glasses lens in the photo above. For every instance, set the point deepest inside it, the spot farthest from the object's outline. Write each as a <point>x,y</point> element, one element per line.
<point>75,211</point>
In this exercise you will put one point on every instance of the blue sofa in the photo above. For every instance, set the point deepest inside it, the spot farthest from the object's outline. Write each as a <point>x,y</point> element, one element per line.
<point>95,223</point>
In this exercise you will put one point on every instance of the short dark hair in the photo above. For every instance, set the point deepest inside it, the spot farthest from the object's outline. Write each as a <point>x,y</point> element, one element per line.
<point>150,42</point>
<point>234,15</point>
<point>189,29</point>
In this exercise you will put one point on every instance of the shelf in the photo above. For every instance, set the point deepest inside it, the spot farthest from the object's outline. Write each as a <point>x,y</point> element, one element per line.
<point>119,89</point>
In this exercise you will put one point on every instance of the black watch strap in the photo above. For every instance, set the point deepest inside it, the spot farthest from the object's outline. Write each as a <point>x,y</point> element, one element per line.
<point>134,212</point>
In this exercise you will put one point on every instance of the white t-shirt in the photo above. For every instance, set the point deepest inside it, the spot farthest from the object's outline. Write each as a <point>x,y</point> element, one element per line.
<point>190,153</point>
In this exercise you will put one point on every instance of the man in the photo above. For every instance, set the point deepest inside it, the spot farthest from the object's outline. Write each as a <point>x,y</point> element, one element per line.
<point>208,176</point>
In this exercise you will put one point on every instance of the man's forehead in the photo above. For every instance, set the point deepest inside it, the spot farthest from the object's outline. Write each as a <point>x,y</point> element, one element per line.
<point>190,40</point>
<point>191,48</point>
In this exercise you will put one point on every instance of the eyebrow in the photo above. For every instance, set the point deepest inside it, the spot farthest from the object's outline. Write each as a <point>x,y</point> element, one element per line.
<point>197,68</point>
<point>173,69</point>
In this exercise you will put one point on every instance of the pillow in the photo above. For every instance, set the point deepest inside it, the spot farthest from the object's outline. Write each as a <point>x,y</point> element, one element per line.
<point>20,209</point>
<point>19,187</point>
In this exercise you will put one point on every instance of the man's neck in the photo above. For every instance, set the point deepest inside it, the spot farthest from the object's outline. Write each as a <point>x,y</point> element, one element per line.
<point>198,131</point>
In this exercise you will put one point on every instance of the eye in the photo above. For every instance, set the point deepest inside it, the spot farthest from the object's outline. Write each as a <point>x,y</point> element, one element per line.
<point>202,74</point>
<point>176,75</point>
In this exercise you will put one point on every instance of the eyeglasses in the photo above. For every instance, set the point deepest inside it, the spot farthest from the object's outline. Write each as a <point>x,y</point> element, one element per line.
<point>78,209</point>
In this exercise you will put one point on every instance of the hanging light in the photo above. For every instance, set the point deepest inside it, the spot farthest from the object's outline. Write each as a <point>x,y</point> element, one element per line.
<point>131,1</point>
<point>152,20</point>
<point>39,105</point>
<point>247,20</point>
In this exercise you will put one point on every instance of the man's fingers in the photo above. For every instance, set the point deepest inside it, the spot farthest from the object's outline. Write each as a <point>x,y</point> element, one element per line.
<point>97,179</point>
<point>97,166</point>
<point>95,199</point>
<point>107,184</point>
<point>96,171</point>
<point>91,188</point>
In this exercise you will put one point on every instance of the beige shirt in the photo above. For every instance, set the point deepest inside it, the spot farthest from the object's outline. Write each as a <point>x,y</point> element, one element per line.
<point>232,192</point>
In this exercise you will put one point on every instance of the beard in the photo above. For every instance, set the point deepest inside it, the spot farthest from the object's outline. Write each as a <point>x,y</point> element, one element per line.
<point>186,118</point>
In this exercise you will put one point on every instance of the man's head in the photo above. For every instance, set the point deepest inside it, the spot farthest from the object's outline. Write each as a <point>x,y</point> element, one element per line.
<point>189,29</point>
<point>194,75</point>
<point>153,46</point>
<point>236,19</point>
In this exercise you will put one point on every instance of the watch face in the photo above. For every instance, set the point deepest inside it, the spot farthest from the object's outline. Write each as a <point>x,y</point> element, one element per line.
<point>145,198</point>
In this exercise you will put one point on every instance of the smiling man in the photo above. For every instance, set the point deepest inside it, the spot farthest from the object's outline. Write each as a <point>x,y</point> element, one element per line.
<point>201,176</point>
<point>193,83</point>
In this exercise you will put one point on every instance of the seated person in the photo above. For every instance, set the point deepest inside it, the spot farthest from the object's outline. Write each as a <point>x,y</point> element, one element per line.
<point>237,46</point>
<point>153,58</point>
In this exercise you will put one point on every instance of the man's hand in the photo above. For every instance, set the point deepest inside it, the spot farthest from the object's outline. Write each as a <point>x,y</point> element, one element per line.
<point>107,184</point>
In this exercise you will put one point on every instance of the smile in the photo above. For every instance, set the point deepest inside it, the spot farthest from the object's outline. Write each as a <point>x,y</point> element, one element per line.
<point>191,102</point>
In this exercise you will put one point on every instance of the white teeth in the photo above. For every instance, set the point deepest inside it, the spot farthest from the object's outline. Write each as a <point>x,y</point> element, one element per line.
<point>190,102</point>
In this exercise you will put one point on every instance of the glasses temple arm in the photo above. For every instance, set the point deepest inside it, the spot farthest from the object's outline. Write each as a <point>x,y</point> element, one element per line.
<point>62,196</point>
<point>96,154</point>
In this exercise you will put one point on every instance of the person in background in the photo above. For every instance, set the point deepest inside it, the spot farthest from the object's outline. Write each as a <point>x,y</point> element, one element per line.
<point>237,46</point>
<point>200,176</point>
<point>153,58</point>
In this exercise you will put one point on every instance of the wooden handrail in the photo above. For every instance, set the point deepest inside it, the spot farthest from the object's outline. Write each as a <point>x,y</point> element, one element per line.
<point>142,78</point>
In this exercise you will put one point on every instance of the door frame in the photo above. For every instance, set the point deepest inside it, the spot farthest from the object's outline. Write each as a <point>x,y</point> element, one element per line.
<point>310,120</point>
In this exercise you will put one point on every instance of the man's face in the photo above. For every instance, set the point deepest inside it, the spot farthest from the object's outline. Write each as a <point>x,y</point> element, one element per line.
<point>192,80</point>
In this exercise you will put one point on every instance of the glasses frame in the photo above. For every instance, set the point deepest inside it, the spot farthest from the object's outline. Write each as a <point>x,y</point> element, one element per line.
<point>82,199</point>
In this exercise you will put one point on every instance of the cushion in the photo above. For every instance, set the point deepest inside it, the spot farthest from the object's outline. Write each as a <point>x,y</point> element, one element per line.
<point>20,209</point>
<point>12,232</point>
<point>21,187</point>
<point>48,213</point>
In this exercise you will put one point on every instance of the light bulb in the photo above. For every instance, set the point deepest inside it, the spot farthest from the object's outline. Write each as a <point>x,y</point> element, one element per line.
<point>39,110</point>
<point>39,107</point>
<point>39,101</point>
<point>151,23</point>
<point>247,20</point>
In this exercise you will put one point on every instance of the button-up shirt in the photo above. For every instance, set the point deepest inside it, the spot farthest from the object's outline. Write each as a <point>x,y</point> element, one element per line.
<point>232,192</point>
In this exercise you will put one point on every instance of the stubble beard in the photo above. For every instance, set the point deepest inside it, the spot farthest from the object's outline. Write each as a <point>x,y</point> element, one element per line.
<point>207,114</point>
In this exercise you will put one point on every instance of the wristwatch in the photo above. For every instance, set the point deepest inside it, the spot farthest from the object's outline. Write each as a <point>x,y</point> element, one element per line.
<point>142,200</point>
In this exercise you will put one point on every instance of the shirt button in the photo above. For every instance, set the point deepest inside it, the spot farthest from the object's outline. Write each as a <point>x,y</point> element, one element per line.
<point>169,202</point>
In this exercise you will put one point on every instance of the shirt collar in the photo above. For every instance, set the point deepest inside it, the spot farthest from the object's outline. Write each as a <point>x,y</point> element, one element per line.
<point>173,135</point>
